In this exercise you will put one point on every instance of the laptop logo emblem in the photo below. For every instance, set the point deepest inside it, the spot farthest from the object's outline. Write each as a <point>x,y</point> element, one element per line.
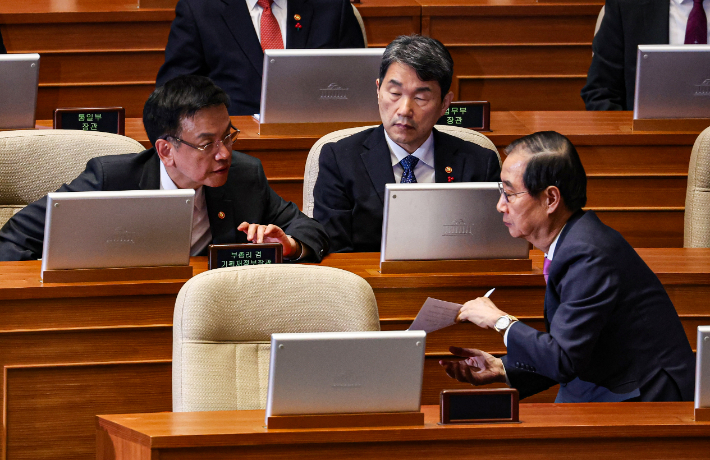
<point>122,236</point>
<point>703,89</point>
<point>458,228</point>
<point>346,379</point>
<point>334,92</point>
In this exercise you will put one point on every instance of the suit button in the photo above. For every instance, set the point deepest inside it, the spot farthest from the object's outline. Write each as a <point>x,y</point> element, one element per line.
<point>517,364</point>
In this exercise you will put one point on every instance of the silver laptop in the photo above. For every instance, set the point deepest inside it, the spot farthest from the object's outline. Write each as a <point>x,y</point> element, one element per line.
<point>672,81</point>
<point>19,79</point>
<point>345,372</point>
<point>446,221</point>
<point>702,368</point>
<point>139,228</point>
<point>317,86</point>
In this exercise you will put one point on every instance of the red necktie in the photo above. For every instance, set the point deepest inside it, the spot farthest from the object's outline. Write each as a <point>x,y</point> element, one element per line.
<point>546,268</point>
<point>270,32</point>
<point>697,29</point>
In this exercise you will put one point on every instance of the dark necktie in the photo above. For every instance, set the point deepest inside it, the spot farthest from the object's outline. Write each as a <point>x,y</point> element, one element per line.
<point>697,28</point>
<point>409,163</point>
<point>546,268</point>
<point>271,38</point>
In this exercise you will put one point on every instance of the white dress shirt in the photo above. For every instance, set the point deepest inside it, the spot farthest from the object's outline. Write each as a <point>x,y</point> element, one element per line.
<point>678,19</point>
<point>424,170</point>
<point>201,233</point>
<point>278,7</point>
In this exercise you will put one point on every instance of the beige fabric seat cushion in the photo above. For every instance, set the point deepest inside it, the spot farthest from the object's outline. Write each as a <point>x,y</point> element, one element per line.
<point>224,319</point>
<point>36,162</point>
<point>311,172</point>
<point>697,197</point>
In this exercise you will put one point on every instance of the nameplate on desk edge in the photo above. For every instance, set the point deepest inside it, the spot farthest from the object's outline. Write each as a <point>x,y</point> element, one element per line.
<point>239,255</point>
<point>479,405</point>
<point>98,119</point>
<point>475,115</point>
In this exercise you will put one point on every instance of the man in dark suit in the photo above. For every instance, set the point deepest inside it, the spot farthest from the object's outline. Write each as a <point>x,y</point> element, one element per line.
<point>612,333</point>
<point>2,46</point>
<point>221,39</point>
<point>412,93</point>
<point>187,122</point>
<point>611,80</point>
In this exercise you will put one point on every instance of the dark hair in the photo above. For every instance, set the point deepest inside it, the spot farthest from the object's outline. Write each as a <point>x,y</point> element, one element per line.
<point>556,162</point>
<point>176,100</point>
<point>427,56</point>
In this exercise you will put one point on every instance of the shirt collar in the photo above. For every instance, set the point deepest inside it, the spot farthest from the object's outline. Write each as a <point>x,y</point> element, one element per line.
<point>551,251</point>
<point>425,152</point>
<point>279,3</point>
<point>166,183</point>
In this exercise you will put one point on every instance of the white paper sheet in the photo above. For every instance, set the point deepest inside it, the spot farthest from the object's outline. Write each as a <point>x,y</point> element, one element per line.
<point>434,315</point>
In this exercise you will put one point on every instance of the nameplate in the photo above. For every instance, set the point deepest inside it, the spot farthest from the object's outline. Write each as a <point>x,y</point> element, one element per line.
<point>240,255</point>
<point>479,405</point>
<point>106,120</point>
<point>474,115</point>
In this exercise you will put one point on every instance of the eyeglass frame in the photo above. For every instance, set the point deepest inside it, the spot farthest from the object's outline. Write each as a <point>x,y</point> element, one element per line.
<point>209,145</point>
<point>508,195</point>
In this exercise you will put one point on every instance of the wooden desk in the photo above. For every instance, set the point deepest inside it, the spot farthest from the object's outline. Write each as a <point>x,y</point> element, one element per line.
<point>547,431</point>
<point>636,180</point>
<point>70,352</point>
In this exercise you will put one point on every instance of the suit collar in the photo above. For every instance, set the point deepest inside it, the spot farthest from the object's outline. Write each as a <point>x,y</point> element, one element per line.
<point>236,16</point>
<point>376,157</point>
<point>568,226</point>
<point>447,162</point>
<point>297,37</point>
<point>653,15</point>
<point>150,179</point>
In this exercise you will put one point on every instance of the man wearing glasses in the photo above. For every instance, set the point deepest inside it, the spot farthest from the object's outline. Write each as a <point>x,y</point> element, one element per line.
<point>188,124</point>
<point>611,331</point>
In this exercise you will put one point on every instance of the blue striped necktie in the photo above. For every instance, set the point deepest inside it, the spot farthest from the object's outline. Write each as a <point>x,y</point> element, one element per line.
<point>408,164</point>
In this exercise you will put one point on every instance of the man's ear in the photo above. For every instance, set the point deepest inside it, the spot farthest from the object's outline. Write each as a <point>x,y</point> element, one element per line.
<point>553,198</point>
<point>377,85</point>
<point>447,102</point>
<point>165,151</point>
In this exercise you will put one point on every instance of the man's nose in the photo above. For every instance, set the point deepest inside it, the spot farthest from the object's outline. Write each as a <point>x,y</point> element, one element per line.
<point>502,204</point>
<point>223,152</point>
<point>405,107</point>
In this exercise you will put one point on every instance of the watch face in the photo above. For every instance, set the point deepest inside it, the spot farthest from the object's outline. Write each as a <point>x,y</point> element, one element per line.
<point>502,322</point>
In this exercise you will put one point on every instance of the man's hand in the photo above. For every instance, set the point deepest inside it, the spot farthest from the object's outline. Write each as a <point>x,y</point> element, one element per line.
<point>479,368</point>
<point>481,312</point>
<point>257,233</point>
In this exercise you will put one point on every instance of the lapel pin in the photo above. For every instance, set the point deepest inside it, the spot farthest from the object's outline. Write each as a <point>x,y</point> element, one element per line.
<point>221,215</point>
<point>450,178</point>
<point>297,17</point>
<point>298,25</point>
<point>448,169</point>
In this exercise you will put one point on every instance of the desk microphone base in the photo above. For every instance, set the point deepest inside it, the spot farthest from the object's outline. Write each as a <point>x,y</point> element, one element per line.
<point>87,275</point>
<point>368,419</point>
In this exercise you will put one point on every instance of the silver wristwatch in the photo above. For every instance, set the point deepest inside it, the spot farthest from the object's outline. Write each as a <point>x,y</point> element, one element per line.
<point>503,323</point>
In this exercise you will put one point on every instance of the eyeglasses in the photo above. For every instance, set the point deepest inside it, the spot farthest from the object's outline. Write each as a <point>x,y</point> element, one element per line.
<point>212,147</point>
<point>509,197</point>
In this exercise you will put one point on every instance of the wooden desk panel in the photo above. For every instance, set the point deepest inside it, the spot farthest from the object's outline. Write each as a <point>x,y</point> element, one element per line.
<point>585,431</point>
<point>106,347</point>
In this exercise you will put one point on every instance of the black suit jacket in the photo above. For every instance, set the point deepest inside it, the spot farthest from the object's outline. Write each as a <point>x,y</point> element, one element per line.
<point>2,46</point>
<point>609,321</point>
<point>349,192</point>
<point>216,38</point>
<point>612,75</point>
<point>245,197</point>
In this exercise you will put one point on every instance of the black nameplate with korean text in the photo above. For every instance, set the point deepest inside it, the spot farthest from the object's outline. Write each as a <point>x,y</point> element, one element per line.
<point>105,120</point>
<point>479,405</point>
<point>474,115</point>
<point>240,255</point>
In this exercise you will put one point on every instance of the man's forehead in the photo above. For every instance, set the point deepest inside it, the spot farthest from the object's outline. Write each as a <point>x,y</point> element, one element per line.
<point>405,70</point>
<point>206,121</point>
<point>514,167</point>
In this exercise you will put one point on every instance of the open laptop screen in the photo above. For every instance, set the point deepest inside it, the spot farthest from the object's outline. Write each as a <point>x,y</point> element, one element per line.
<point>19,79</point>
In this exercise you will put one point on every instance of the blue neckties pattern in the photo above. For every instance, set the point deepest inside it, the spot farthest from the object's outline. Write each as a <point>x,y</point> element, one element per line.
<point>408,164</point>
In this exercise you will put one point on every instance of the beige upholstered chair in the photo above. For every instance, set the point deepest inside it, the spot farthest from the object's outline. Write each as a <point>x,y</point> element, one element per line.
<point>599,21</point>
<point>224,320</point>
<point>697,196</point>
<point>311,173</point>
<point>358,16</point>
<point>36,162</point>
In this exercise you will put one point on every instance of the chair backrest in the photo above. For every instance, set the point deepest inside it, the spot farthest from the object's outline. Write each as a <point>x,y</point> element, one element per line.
<point>358,16</point>
<point>36,162</point>
<point>311,173</point>
<point>697,196</point>
<point>224,319</point>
